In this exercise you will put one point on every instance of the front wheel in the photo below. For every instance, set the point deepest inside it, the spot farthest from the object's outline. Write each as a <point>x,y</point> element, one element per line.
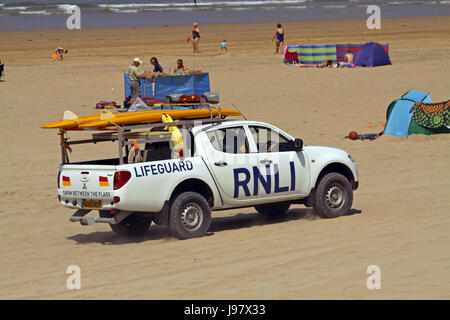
<point>133,225</point>
<point>334,196</point>
<point>189,216</point>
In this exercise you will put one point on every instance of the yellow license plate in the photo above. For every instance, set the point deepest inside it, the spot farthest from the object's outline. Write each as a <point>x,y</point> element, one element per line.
<point>92,204</point>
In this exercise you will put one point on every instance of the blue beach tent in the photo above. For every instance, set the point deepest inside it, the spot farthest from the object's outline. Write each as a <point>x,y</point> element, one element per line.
<point>372,54</point>
<point>400,118</point>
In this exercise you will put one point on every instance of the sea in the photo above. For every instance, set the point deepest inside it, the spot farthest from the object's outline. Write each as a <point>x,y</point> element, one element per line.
<point>16,15</point>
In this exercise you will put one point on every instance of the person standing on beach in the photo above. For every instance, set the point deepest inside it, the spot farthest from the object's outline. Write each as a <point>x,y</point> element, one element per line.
<point>195,36</point>
<point>223,46</point>
<point>279,38</point>
<point>60,52</point>
<point>2,68</point>
<point>135,76</point>
<point>157,68</point>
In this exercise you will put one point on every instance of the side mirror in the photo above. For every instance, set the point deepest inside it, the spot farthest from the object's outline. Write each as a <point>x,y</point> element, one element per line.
<point>298,144</point>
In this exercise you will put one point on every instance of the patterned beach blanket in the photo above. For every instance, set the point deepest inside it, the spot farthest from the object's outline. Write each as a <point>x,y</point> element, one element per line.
<point>431,115</point>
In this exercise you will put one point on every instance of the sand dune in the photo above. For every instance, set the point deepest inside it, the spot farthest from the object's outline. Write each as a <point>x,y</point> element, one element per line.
<point>400,217</point>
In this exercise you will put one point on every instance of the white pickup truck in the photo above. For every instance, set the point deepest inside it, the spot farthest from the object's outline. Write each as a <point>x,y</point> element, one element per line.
<point>225,164</point>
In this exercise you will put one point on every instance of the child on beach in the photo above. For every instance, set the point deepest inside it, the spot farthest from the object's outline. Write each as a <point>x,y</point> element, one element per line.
<point>223,46</point>
<point>60,52</point>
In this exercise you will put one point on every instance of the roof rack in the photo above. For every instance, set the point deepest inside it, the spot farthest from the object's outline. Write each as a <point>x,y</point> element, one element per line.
<point>124,133</point>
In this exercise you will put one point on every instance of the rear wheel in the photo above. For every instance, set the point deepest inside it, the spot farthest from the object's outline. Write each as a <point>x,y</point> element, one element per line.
<point>189,216</point>
<point>334,196</point>
<point>133,225</point>
<point>272,209</point>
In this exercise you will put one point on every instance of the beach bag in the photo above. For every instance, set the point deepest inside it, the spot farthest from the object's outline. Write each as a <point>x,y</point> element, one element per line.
<point>291,57</point>
<point>105,105</point>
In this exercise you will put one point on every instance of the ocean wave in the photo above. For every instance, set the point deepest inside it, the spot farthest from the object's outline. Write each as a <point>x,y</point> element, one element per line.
<point>64,7</point>
<point>411,2</point>
<point>236,4</point>
<point>15,8</point>
<point>38,12</point>
<point>55,8</point>
<point>123,10</point>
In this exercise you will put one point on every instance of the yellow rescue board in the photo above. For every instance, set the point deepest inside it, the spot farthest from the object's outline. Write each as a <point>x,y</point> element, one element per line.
<point>155,116</point>
<point>94,122</point>
<point>75,123</point>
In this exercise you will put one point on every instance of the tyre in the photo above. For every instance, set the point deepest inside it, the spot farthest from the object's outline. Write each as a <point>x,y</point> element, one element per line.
<point>133,225</point>
<point>334,196</point>
<point>189,216</point>
<point>272,209</point>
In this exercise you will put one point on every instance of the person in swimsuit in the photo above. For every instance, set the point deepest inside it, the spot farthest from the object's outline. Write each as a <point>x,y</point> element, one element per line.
<point>279,39</point>
<point>195,35</point>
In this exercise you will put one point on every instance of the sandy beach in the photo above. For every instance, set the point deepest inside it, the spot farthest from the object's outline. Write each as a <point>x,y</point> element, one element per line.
<point>400,218</point>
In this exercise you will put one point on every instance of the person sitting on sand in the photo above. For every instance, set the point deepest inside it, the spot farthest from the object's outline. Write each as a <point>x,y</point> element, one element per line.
<point>180,67</point>
<point>157,68</point>
<point>279,39</point>
<point>349,57</point>
<point>60,52</point>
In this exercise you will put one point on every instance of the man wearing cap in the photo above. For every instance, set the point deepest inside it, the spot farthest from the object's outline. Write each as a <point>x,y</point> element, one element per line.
<point>135,75</point>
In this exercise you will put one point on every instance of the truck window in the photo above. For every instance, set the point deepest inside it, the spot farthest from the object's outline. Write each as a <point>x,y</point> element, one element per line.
<point>164,150</point>
<point>229,140</point>
<point>268,140</point>
<point>158,151</point>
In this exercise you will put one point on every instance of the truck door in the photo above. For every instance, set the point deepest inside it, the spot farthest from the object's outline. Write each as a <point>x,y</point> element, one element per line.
<point>287,170</point>
<point>229,159</point>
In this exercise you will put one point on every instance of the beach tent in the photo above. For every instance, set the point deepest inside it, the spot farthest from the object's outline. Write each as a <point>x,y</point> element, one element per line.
<point>372,54</point>
<point>314,54</point>
<point>402,121</point>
